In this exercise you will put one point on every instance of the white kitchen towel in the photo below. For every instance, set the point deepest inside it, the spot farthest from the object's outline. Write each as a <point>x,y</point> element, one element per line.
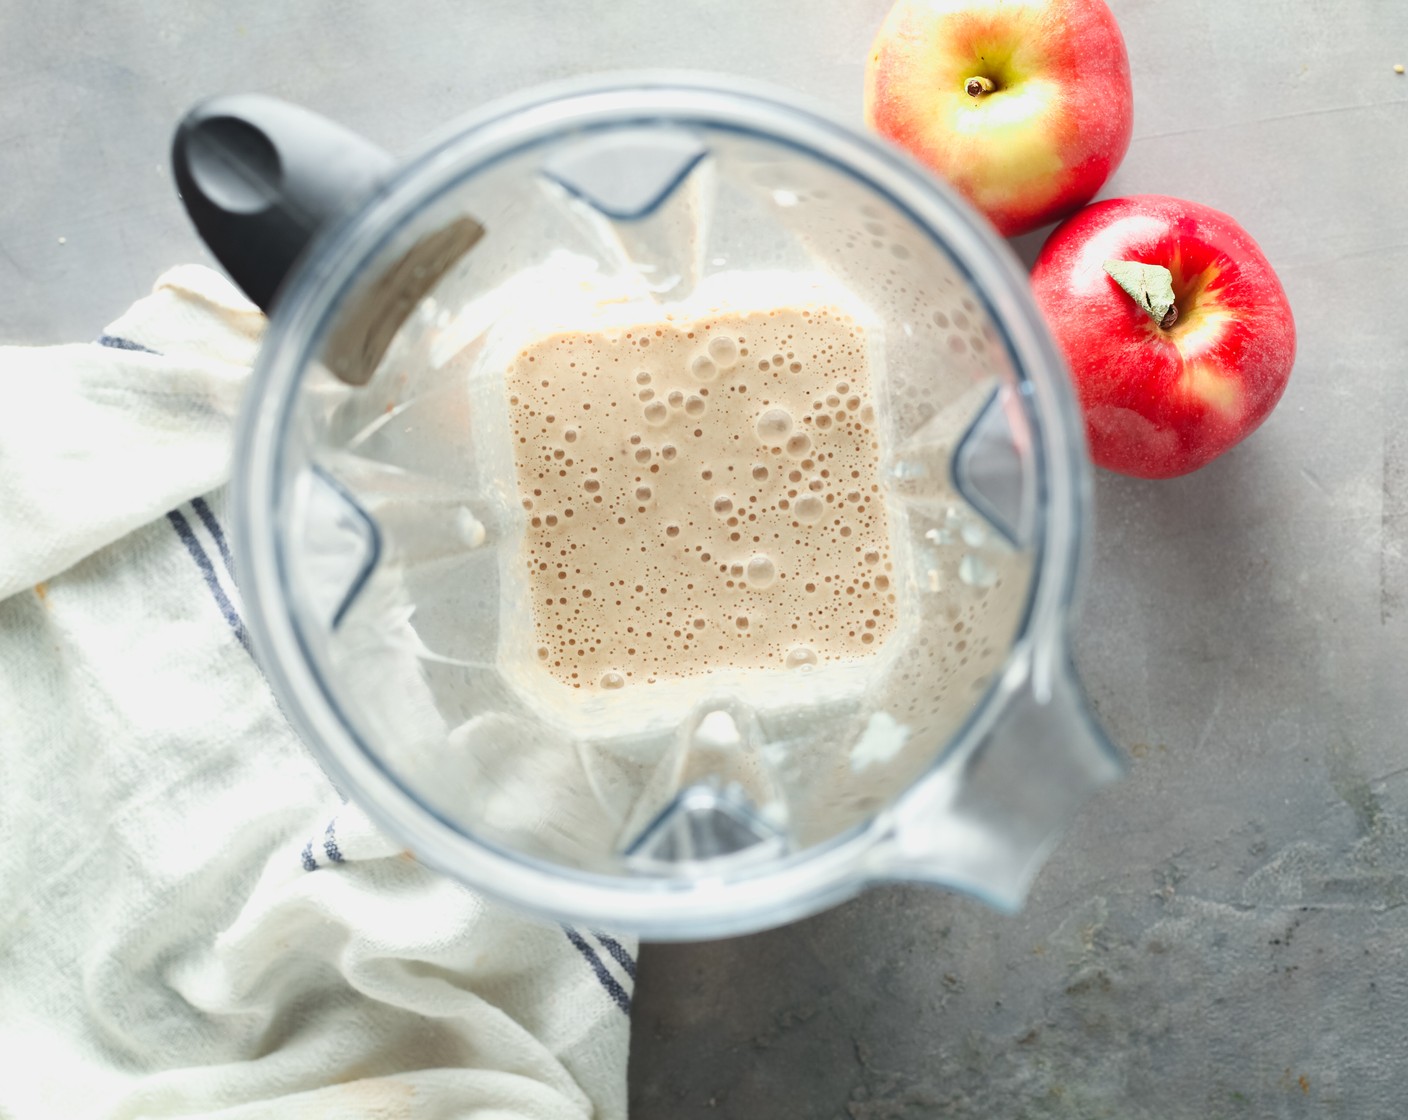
<point>192,923</point>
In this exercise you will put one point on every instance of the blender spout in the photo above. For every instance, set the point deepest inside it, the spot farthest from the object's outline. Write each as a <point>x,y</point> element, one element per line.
<point>986,819</point>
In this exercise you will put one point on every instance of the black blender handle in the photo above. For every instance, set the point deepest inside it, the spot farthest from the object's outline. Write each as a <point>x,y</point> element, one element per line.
<point>259,177</point>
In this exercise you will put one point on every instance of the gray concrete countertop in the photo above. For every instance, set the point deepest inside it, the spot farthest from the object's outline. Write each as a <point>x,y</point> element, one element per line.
<point>1221,935</point>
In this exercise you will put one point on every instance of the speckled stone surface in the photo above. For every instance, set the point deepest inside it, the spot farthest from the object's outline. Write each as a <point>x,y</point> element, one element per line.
<point>1223,935</point>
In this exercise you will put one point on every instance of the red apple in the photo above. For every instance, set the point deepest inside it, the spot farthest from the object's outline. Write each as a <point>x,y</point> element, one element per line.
<point>1178,333</point>
<point>1023,105</point>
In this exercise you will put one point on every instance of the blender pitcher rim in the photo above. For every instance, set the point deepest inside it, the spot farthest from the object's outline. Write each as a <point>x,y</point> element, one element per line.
<point>816,876</point>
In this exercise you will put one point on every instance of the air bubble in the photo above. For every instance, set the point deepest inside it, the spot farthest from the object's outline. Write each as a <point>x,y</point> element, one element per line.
<point>703,368</point>
<point>694,406</point>
<point>656,413</point>
<point>774,424</point>
<point>723,504</point>
<point>643,493</point>
<point>741,622</point>
<point>798,445</point>
<point>642,455</point>
<point>809,508</point>
<point>668,452</point>
<point>612,680</point>
<point>761,571</point>
<point>800,657</point>
<point>760,472</point>
<point>676,398</point>
<point>724,350</point>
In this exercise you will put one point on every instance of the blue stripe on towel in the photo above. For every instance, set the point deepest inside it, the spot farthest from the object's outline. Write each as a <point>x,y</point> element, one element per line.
<point>207,570</point>
<point>609,982</point>
<point>618,952</point>
<point>330,847</point>
<point>115,343</point>
<point>207,518</point>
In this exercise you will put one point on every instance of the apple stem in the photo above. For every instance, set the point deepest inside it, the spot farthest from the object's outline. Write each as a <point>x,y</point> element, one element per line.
<point>1150,286</point>
<point>978,86</point>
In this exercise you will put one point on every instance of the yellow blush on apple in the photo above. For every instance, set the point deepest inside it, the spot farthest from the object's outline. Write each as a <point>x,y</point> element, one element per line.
<point>1024,105</point>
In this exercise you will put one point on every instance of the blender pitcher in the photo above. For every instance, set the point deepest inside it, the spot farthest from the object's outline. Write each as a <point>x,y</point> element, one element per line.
<point>399,507</point>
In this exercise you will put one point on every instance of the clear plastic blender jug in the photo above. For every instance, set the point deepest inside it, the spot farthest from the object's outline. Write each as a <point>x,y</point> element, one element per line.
<point>388,539</point>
